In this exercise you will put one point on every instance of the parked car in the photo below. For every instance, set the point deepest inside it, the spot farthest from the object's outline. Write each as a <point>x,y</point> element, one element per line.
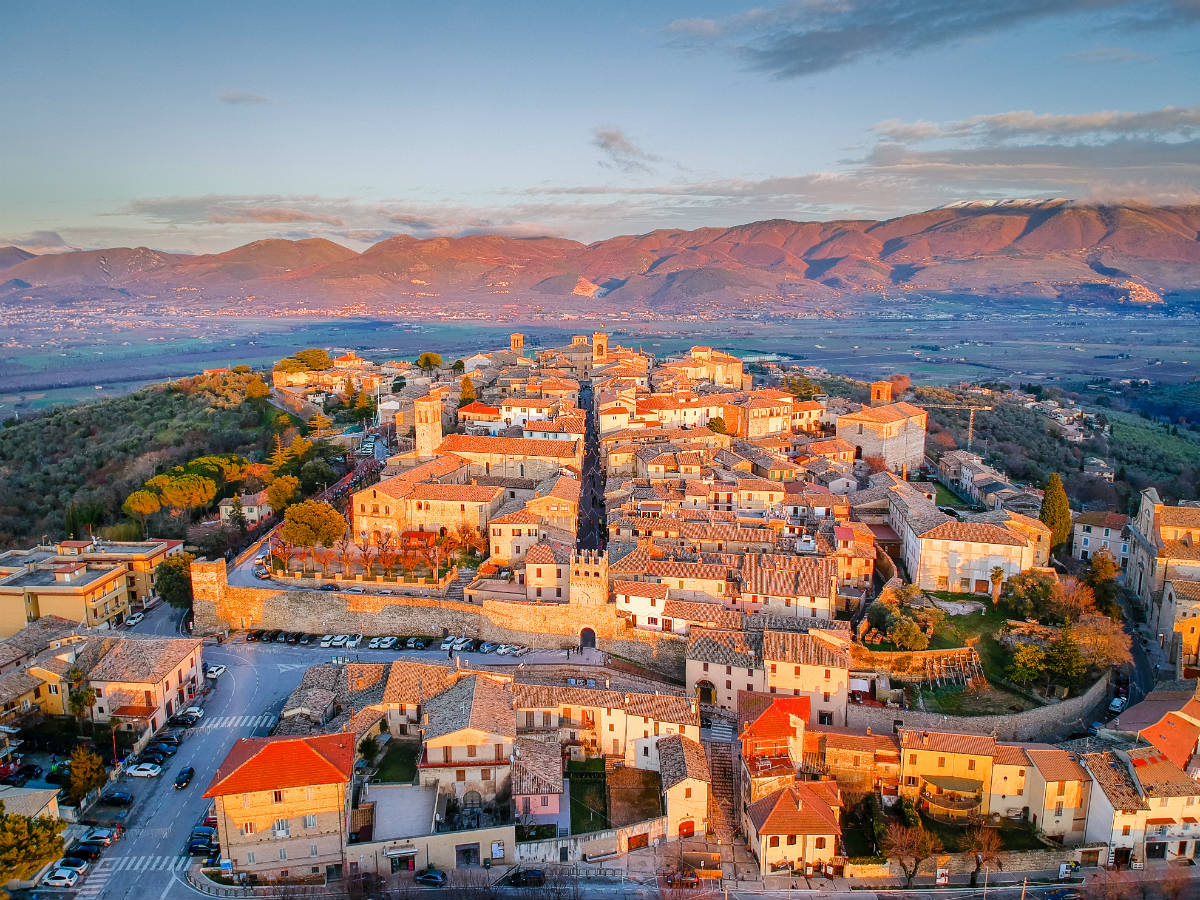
<point>521,650</point>
<point>448,643</point>
<point>135,619</point>
<point>386,643</point>
<point>504,649</point>
<point>61,878</point>
<point>488,646</point>
<point>415,643</point>
<point>14,780</point>
<point>116,798</point>
<point>354,640</point>
<point>373,643</point>
<point>252,636</point>
<point>85,850</point>
<point>195,712</point>
<point>30,771</point>
<point>152,756</point>
<point>329,587</point>
<point>281,637</point>
<point>527,878</point>
<point>463,643</point>
<point>165,748</point>
<point>169,737</point>
<point>145,770</point>
<point>184,778</point>
<point>327,640</point>
<point>1063,894</point>
<point>60,774</point>
<point>268,636</point>
<point>76,864</point>
<point>1117,705</point>
<point>180,720</point>
<point>99,835</point>
<point>214,672</point>
<point>262,573</point>
<point>431,878</point>
<point>339,641</point>
<point>306,639</point>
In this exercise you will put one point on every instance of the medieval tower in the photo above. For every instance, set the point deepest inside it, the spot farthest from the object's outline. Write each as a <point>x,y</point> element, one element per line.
<point>599,348</point>
<point>516,343</point>
<point>881,393</point>
<point>589,578</point>
<point>427,415</point>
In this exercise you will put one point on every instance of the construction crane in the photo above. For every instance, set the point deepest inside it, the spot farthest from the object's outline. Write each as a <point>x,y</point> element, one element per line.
<point>970,417</point>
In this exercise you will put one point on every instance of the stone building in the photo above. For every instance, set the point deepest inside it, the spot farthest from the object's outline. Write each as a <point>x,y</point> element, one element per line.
<point>894,433</point>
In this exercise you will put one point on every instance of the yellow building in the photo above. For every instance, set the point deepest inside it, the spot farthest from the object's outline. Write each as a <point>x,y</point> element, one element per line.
<point>1058,788</point>
<point>141,558</point>
<point>683,766</point>
<point>92,594</point>
<point>282,805</point>
<point>948,775</point>
<point>467,739</point>
<point>806,665</point>
<point>796,829</point>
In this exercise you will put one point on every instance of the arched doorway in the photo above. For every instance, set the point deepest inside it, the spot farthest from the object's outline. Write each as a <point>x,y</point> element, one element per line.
<point>687,828</point>
<point>587,638</point>
<point>472,800</point>
<point>706,692</point>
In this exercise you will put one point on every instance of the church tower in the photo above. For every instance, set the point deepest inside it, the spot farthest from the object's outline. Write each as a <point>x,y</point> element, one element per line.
<point>427,415</point>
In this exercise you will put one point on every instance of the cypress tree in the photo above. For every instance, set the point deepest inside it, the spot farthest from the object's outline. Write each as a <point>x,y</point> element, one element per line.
<point>1056,512</point>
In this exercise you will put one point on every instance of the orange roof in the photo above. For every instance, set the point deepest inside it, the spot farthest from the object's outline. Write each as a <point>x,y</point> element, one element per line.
<point>808,807</point>
<point>1175,736</point>
<point>773,722</point>
<point>506,446</point>
<point>272,764</point>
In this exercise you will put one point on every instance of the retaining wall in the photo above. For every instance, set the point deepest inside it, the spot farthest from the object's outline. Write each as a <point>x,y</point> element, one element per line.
<point>1045,722</point>
<point>549,851</point>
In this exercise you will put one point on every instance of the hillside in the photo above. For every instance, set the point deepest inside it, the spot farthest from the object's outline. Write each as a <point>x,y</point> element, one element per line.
<point>1009,249</point>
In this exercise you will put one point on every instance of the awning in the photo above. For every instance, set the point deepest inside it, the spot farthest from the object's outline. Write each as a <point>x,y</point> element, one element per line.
<point>1161,822</point>
<point>400,852</point>
<point>953,783</point>
<point>1188,820</point>
<point>134,712</point>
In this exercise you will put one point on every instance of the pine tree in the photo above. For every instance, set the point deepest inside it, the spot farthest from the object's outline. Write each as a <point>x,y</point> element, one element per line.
<point>1056,512</point>
<point>280,456</point>
<point>237,514</point>
<point>320,425</point>
<point>466,391</point>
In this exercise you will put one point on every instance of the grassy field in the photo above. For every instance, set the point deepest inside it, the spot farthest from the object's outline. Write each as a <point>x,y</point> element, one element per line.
<point>399,764</point>
<point>1149,446</point>
<point>589,808</point>
<point>947,497</point>
<point>1013,835</point>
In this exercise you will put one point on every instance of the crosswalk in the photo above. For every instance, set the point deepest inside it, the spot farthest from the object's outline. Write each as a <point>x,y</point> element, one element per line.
<point>93,886</point>
<point>721,730</point>
<point>217,723</point>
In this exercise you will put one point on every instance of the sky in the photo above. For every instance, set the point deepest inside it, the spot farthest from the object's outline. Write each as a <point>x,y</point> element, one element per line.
<point>200,127</point>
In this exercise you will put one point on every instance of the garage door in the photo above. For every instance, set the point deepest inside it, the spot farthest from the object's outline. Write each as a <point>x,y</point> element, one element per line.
<point>638,841</point>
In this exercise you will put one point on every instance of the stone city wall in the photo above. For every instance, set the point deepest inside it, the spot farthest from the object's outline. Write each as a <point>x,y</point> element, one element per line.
<point>1043,723</point>
<point>219,605</point>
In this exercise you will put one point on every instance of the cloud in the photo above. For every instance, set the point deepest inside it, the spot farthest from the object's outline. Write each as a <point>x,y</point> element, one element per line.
<point>272,214</point>
<point>810,36</point>
<point>38,242</point>
<point>243,98</point>
<point>234,209</point>
<point>621,152</point>
<point>1108,56</point>
<point>1168,122</point>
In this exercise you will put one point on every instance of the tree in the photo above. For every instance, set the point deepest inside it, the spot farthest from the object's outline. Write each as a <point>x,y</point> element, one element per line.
<point>1102,641</point>
<point>256,389</point>
<point>237,514</point>
<point>985,845</point>
<point>459,367</point>
<point>87,774</point>
<point>875,464</point>
<point>1064,660</point>
<point>1056,512</point>
<point>907,635</point>
<point>320,425</point>
<point>1028,663</point>
<point>187,492</point>
<point>900,384</point>
<point>347,552</point>
<point>1028,595</point>
<point>398,384</point>
<point>173,580</point>
<point>282,491</point>
<point>311,524</point>
<point>80,695</point>
<point>996,576</point>
<point>368,747</point>
<point>314,359</point>
<point>1101,575</point>
<point>364,407</point>
<point>1072,599</point>
<point>909,846</point>
<point>26,844</point>
<point>280,456</point>
<point>717,425</point>
<point>429,361</point>
<point>142,504</point>
<point>466,391</point>
<point>316,473</point>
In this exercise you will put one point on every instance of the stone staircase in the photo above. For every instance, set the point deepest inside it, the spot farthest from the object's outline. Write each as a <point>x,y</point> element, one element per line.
<point>722,794</point>
<point>456,588</point>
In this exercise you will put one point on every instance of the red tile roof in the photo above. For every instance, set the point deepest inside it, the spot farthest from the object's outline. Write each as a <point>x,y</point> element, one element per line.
<point>272,764</point>
<point>803,808</point>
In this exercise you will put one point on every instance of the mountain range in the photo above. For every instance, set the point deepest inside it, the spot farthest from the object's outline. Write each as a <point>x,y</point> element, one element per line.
<point>996,249</point>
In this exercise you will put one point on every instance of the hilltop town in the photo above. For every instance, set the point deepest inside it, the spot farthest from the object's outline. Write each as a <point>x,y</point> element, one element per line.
<point>590,614</point>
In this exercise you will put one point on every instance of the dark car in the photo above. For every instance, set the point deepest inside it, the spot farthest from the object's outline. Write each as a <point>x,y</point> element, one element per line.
<point>329,587</point>
<point>1063,894</point>
<point>116,798</point>
<point>528,878</point>
<point>61,775</point>
<point>30,771</point>
<point>163,747</point>
<point>184,778</point>
<point>201,847</point>
<point>280,637</point>
<point>16,779</point>
<point>306,639</point>
<point>173,738</point>
<point>252,636</point>
<point>207,832</point>
<point>431,877</point>
<point>89,850</point>
<point>152,756</point>
<point>293,637</point>
<point>182,720</point>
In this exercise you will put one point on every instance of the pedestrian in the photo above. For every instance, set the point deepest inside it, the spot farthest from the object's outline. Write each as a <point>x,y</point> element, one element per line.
<point>450,653</point>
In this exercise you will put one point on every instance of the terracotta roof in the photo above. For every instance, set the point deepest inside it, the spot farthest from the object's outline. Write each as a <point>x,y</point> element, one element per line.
<point>1057,765</point>
<point>702,613</point>
<point>807,807</point>
<point>1010,755</point>
<point>467,444</point>
<point>802,649</point>
<point>272,764</point>
<point>474,702</point>
<point>663,708</point>
<point>1178,516</point>
<point>1175,736</point>
<point>641,589</point>
<point>1159,776</point>
<point>544,553</point>
<point>882,745</point>
<point>1110,772</point>
<point>726,648</point>
<point>537,767</point>
<point>1102,518</point>
<point>680,758</point>
<point>142,660</point>
<point>770,717</point>
<point>894,412</point>
<point>551,696</point>
<point>972,744</point>
<point>1189,590</point>
<point>458,493</point>
<point>974,533</point>
<point>518,517</point>
<point>411,683</point>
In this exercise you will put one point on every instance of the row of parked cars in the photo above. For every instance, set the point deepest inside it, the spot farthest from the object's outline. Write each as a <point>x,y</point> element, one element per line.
<point>80,856</point>
<point>386,642</point>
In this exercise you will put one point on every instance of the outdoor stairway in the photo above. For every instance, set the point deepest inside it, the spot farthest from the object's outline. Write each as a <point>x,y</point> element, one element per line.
<point>455,591</point>
<point>722,798</point>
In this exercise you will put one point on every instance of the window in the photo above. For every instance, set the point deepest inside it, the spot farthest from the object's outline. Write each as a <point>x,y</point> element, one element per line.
<point>247,828</point>
<point>485,774</point>
<point>1058,808</point>
<point>825,697</point>
<point>312,849</point>
<point>470,750</point>
<point>250,858</point>
<point>970,765</point>
<point>279,796</point>
<point>826,674</point>
<point>912,759</point>
<point>820,843</point>
<point>281,828</point>
<point>824,718</point>
<point>941,762</point>
<point>310,821</point>
<point>911,781</point>
<point>1124,830</point>
<point>1062,788</point>
<point>283,854</point>
<point>460,774</point>
<point>545,800</point>
<point>687,793</point>
<point>774,842</point>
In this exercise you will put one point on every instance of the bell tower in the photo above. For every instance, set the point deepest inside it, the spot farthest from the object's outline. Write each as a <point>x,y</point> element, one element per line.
<point>589,578</point>
<point>599,348</point>
<point>427,425</point>
<point>516,343</point>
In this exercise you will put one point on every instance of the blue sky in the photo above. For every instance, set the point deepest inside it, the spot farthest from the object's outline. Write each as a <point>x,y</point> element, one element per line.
<point>199,127</point>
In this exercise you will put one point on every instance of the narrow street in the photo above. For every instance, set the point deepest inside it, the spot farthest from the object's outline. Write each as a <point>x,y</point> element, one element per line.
<point>591,495</point>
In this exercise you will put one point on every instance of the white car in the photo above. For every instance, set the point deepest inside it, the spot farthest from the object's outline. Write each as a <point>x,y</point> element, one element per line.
<point>373,644</point>
<point>340,640</point>
<point>386,643</point>
<point>1117,705</point>
<point>520,650</point>
<point>354,640</point>
<point>195,712</point>
<point>215,672</point>
<point>504,649</point>
<point>145,770</point>
<point>448,643</point>
<point>100,835</point>
<point>61,878</point>
<point>326,640</point>
<point>135,619</point>
<point>463,643</point>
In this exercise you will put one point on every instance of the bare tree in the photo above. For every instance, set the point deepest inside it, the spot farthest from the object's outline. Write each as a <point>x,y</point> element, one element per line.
<point>910,846</point>
<point>985,845</point>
